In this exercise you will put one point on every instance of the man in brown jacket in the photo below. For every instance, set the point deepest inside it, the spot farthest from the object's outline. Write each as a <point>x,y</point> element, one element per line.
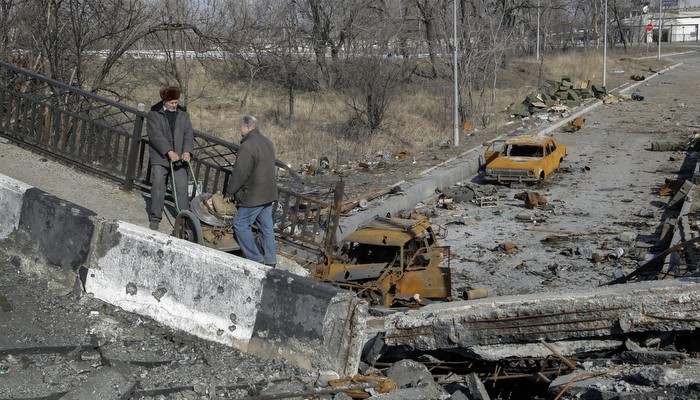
<point>171,140</point>
<point>253,184</point>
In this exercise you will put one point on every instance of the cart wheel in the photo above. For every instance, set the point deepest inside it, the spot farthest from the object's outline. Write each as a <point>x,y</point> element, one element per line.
<point>187,227</point>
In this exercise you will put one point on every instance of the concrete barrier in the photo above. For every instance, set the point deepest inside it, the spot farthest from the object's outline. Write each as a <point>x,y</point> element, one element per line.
<point>204,292</point>
<point>60,230</point>
<point>11,199</point>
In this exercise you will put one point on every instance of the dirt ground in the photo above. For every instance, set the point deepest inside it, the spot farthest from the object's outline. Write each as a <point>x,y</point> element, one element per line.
<point>604,198</point>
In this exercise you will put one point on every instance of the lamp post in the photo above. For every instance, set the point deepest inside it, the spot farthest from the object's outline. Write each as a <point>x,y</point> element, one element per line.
<point>658,55</point>
<point>538,30</point>
<point>605,43</point>
<point>455,138</point>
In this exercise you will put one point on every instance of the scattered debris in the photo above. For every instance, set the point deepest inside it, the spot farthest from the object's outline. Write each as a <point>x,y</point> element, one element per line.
<point>472,294</point>
<point>401,154</point>
<point>666,146</point>
<point>396,190</point>
<point>531,199</point>
<point>445,144</point>
<point>653,263</point>
<point>530,218</point>
<point>670,187</point>
<point>487,201</point>
<point>575,125</point>
<point>506,247</point>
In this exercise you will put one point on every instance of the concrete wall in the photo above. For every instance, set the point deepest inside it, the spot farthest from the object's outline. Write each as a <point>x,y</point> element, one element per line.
<point>205,292</point>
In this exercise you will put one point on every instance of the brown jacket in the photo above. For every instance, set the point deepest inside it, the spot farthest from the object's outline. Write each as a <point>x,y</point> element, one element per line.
<point>253,181</point>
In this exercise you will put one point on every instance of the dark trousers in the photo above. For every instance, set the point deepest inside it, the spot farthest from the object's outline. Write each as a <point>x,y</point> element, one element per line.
<point>159,179</point>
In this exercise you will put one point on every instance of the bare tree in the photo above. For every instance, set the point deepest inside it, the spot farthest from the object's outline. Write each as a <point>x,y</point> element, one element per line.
<point>329,27</point>
<point>351,47</point>
<point>7,26</point>
<point>110,27</point>
<point>428,10</point>
<point>372,82</point>
<point>76,41</point>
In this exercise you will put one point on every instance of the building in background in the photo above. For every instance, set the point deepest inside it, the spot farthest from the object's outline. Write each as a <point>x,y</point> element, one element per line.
<point>680,22</point>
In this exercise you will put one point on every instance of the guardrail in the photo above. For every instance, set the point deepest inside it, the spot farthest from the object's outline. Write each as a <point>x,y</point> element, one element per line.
<point>107,138</point>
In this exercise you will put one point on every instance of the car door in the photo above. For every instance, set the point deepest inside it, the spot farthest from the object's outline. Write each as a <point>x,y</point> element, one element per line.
<point>493,151</point>
<point>551,157</point>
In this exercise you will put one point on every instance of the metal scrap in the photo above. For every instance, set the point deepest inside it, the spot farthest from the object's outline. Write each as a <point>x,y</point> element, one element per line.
<point>391,261</point>
<point>575,125</point>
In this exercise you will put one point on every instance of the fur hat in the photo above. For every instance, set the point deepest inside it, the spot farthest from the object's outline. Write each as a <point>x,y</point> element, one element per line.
<point>170,93</point>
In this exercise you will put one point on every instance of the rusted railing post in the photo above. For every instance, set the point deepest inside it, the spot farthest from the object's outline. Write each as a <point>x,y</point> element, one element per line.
<point>334,219</point>
<point>134,150</point>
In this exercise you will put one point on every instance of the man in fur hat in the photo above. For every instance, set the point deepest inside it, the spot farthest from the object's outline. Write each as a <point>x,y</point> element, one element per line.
<point>171,141</point>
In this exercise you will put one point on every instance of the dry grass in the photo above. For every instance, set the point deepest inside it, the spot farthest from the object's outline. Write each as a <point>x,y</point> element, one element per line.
<point>420,117</point>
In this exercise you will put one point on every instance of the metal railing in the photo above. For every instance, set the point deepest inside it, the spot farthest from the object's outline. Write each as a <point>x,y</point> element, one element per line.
<point>107,138</point>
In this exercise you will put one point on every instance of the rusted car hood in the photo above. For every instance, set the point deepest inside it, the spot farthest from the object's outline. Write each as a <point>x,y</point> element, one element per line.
<point>514,162</point>
<point>387,232</point>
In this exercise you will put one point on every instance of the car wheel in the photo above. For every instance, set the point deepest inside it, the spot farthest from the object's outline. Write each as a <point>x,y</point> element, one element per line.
<point>462,194</point>
<point>187,227</point>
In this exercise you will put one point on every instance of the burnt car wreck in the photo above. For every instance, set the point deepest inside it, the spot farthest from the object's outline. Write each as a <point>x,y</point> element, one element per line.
<point>391,261</point>
<point>522,159</point>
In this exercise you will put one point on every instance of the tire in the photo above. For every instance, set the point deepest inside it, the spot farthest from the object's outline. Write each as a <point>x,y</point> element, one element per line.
<point>203,215</point>
<point>187,227</point>
<point>462,195</point>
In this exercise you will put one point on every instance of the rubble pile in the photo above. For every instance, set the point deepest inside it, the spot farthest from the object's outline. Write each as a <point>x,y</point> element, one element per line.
<point>556,97</point>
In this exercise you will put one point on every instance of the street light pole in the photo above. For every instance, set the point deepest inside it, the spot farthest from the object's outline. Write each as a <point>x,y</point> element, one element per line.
<point>605,43</point>
<point>658,55</point>
<point>454,74</point>
<point>538,30</point>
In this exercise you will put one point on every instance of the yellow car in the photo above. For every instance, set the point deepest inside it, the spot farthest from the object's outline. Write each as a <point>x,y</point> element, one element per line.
<point>522,159</point>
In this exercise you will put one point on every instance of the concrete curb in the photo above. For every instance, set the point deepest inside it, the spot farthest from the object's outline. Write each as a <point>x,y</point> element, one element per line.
<point>416,191</point>
<point>204,292</point>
